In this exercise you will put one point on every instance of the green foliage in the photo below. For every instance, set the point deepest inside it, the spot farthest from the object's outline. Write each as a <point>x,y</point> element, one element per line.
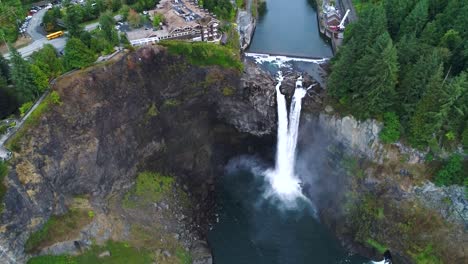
<point>171,103</point>
<point>40,78</point>
<point>240,4</point>
<point>91,214</point>
<point>261,7</point>
<point>3,189</point>
<point>352,167</point>
<point>107,22</point>
<point>152,111</point>
<point>426,86</point>
<point>120,253</point>
<point>465,139</point>
<point>134,19</point>
<point>228,91</point>
<point>48,61</point>
<point>391,130</point>
<point>452,172</point>
<point>157,20</point>
<point>8,102</point>
<point>184,256</point>
<point>366,212</point>
<point>427,256</point>
<point>204,54</point>
<point>233,39</point>
<point>52,99</point>
<point>57,228</point>
<point>77,55</point>
<point>11,13</point>
<point>222,8</point>
<point>50,19</point>
<point>73,18</point>
<point>379,247</point>
<point>25,108</point>
<point>22,77</point>
<point>150,187</point>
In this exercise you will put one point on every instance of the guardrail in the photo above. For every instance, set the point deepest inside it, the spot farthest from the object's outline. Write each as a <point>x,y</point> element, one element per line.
<point>154,40</point>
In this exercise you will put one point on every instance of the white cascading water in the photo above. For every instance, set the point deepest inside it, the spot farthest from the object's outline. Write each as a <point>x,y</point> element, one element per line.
<point>283,180</point>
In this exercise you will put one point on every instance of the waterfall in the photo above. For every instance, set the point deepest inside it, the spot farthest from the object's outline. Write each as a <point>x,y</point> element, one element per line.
<point>283,180</point>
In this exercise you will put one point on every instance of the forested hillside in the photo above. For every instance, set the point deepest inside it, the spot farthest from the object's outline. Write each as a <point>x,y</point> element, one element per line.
<point>405,62</point>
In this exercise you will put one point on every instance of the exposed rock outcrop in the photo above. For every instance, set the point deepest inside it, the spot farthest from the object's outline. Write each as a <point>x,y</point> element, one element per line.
<point>245,26</point>
<point>147,111</point>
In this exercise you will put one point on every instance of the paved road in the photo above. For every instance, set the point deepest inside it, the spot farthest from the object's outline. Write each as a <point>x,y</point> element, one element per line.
<point>34,29</point>
<point>38,35</point>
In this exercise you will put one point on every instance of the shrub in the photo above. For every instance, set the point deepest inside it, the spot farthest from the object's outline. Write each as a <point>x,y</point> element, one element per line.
<point>379,247</point>
<point>25,108</point>
<point>204,54</point>
<point>171,103</point>
<point>451,172</point>
<point>52,99</point>
<point>57,228</point>
<point>228,91</point>
<point>391,131</point>
<point>55,98</point>
<point>120,253</point>
<point>150,187</point>
<point>427,256</point>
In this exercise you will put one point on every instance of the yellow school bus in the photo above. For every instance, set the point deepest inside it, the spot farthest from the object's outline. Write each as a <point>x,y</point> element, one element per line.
<point>55,35</point>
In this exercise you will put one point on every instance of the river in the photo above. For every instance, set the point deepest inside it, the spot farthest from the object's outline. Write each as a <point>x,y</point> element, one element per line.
<point>290,27</point>
<point>252,228</point>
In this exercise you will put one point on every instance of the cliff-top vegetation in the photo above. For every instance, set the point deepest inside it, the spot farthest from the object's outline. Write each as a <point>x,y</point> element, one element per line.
<point>411,58</point>
<point>205,54</point>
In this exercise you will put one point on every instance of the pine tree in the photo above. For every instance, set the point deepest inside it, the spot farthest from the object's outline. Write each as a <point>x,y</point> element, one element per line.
<point>377,75</point>
<point>22,77</point>
<point>427,119</point>
<point>416,20</point>
<point>397,11</point>
<point>344,79</point>
<point>414,83</point>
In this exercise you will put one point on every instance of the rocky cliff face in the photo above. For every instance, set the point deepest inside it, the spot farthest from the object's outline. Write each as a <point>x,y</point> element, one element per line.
<point>368,191</point>
<point>147,111</point>
<point>245,26</point>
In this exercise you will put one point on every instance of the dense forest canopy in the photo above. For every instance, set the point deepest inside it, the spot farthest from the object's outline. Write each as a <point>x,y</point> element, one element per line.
<point>408,58</point>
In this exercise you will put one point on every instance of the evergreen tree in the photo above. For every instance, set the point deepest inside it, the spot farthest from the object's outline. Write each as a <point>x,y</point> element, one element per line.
<point>22,77</point>
<point>427,120</point>
<point>416,20</point>
<point>414,83</point>
<point>4,68</point>
<point>77,55</point>
<point>377,76</point>
<point>455,110</point>
<point>8,102</point>
<point>397,11</point>
<point>344,79</point>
